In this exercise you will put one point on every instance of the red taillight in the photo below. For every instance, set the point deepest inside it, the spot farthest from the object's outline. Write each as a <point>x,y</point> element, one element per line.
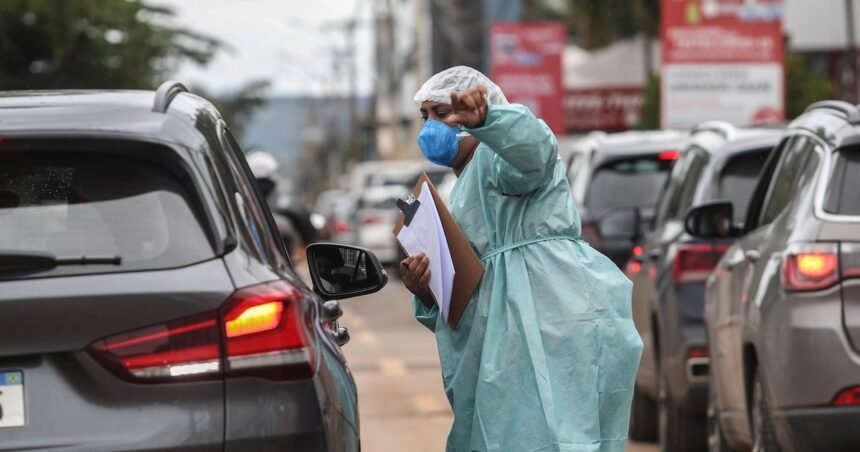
<point>371,219</point>
<point>590,234</point>
<point>808,267</point>
<point>634,265</point>
<point>848,397</point>
<point>341,226</point>
<point>669,155</point>
<point>184,348</point>
<point>698,352</point>
<point>266,329</point>
<point>693,263</point>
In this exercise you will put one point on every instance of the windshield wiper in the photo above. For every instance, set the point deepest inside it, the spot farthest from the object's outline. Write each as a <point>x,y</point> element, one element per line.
<point>35,261</point>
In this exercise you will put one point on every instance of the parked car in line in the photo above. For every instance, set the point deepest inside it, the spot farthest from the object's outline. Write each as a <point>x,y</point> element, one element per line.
<point>668,270</point>
<point>146,300</point>
<point>621,170</point>
<point>376,215</point>
<point>782,308</point>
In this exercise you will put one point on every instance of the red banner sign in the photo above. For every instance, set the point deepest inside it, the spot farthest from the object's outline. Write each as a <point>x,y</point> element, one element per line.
<point>527,65</point>
<point>607,109</point>
<point>723,60</point>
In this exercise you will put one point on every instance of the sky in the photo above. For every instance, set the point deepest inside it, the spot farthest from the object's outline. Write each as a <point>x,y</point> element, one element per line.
<point>287,42</point>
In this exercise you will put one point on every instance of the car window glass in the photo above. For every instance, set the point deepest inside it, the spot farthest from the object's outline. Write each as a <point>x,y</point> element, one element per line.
<point>677,195</point>
<point>691,181</point>
<point>250,209</point>
<point>738,178</point>
<point>843,190</point>
<point>73,204</point>
<point>628,182</point>
<point>573,166</point>
<point>787,178</point>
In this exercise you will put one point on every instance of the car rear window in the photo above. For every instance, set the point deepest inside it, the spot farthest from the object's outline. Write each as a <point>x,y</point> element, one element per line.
<point>75,204</point>
<point>738,179</point>
<point>629,182</point>
<point>843,192</point>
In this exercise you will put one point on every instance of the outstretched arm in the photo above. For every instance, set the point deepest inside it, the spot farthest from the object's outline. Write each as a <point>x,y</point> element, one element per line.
<point>526,148</point>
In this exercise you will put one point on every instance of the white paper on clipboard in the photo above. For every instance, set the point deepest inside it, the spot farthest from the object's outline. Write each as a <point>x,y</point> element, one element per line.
<point>426,235</point>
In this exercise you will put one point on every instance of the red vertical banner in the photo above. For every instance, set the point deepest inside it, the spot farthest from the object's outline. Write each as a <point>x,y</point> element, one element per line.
<point>722,60</point>
<point>527,64</point>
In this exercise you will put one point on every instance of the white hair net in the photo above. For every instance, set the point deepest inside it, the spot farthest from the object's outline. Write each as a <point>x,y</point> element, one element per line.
<point>458,79</point>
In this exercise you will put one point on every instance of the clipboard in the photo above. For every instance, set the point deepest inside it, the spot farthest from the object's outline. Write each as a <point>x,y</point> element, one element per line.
<point>467,266</point>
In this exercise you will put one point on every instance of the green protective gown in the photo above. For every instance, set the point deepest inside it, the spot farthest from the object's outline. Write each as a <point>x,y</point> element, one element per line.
<point>545,356</point>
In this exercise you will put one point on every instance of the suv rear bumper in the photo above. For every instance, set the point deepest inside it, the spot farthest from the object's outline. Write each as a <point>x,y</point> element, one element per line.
<point>682,330</point>
<point>818,428</point>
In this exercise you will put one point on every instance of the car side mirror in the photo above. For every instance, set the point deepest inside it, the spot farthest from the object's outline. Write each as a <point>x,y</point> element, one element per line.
<point>340,271</point>
<point>620,224</point>
<point>713,220</point>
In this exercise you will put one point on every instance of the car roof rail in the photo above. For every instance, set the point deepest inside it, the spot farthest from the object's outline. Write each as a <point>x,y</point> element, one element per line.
<point>850,111</point>
<point>165,94</point>
<point>723,128</point>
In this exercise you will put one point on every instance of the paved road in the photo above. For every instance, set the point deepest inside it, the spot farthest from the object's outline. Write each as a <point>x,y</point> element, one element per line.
<point>394,359</point>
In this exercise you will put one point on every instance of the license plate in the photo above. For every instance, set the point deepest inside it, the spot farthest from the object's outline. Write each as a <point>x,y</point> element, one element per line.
<point>12,399</point>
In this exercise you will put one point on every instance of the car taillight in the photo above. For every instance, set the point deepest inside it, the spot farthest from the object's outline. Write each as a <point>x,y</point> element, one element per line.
<point>341,226</point>
<point>812,266</point>
<point>634,265</point>
<point>848,397</point>
<point>590,234</point>
<point>266,331</point>
<point>669,155</point>
<point>371,219</point>
<point>180,349</point>
<point>693,263</point>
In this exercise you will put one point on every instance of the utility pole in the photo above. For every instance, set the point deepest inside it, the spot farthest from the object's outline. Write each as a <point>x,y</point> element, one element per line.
<point>849,77</point>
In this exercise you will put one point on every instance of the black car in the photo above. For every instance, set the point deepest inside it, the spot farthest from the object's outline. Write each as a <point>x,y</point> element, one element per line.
<point>146,299</point>
<point>669,271</point>
<point>618,171</point>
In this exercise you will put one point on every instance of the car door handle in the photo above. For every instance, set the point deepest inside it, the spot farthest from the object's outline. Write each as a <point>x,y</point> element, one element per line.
<point>752,255</point>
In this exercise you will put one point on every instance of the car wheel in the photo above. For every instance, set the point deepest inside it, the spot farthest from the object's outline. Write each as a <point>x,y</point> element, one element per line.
<point>678,430</point>
<point>716,439</point>
<point>643,418</point>
<point>764,437</point>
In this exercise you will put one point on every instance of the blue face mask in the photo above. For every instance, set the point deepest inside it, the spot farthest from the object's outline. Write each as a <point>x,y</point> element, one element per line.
<point>439,142</point>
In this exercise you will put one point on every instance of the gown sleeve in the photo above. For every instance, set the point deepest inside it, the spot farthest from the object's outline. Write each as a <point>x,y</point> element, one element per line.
<point>526,149</point>
<point>425,316</point>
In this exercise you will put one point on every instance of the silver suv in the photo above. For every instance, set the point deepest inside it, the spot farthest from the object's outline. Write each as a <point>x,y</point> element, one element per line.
<point>782,308</point>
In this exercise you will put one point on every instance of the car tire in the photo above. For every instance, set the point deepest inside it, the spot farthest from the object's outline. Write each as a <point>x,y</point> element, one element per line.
<point>678,430</point>
<point>643,418</point>
<point>764,436</point>
<point>716,440</point>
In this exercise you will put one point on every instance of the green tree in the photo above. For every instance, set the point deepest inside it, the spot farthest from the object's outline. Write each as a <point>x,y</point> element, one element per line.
<point>49,44</point>
<point>597,23</point>
<point>237,108</point>
<point>802,86</point>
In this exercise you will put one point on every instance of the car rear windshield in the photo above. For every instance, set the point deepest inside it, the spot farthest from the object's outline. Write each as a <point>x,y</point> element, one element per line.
<point>629,182</point>
<point>738,178</point>
<point>843,193</point>
<point>75,204</point>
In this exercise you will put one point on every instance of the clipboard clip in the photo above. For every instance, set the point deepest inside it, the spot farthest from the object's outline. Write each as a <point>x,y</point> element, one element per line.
<point>408,207</point>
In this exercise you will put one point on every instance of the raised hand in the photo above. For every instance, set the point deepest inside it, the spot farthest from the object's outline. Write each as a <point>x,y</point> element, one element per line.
<point>470,108</point>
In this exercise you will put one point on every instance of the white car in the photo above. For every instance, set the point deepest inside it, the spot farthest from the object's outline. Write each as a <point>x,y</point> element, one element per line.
<point>377,213</point>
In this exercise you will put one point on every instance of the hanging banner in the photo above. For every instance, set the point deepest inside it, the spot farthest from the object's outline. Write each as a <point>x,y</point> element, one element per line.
<point>610,109</point>
<point>526,62</point>
<point>722,60</point>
